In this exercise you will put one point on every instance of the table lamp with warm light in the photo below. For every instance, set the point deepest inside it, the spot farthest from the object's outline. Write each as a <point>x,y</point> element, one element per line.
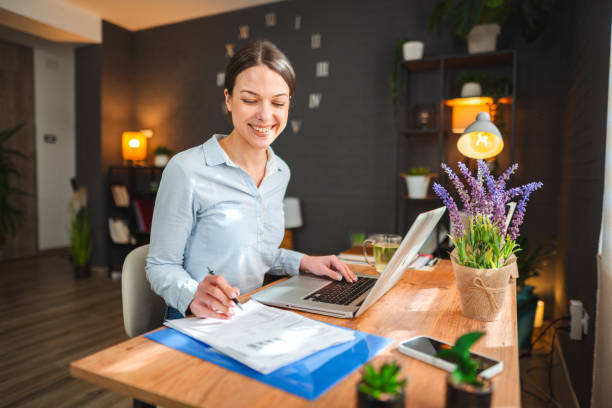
<point>481,139</point>
<point>133,146</point>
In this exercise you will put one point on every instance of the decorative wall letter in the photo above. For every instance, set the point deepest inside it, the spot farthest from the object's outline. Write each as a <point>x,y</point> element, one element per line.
<point>270,20</point>
<point>322,69</point>
<point>220,78</point>
<point>298,22</point>
<point>244,32</point>
<point>314,100</point>
<point>315,41</point>
<point>296,124</point>
<point>229,50</point>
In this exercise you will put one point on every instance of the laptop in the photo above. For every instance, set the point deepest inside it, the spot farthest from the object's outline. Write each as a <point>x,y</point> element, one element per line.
<point>321,295</point>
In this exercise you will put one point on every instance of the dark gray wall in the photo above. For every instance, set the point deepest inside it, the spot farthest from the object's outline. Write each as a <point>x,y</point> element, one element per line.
<point>344,158</point>
<point>582,177</point>
<point>89,171</point>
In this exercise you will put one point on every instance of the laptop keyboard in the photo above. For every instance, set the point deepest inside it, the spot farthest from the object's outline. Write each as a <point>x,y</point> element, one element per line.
<point>341,292</point>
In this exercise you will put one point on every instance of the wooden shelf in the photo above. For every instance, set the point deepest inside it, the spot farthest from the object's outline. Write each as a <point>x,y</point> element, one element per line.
<point>461,61</point>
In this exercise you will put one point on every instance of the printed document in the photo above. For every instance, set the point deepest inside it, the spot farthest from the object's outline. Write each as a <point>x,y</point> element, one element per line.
<point>262,337</point>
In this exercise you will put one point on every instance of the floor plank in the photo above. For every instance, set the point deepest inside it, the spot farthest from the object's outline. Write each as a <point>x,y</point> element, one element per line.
<point>47,320</point>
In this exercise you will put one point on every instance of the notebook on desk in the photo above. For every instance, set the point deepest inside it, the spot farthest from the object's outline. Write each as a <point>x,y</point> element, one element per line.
<point>321,295</point>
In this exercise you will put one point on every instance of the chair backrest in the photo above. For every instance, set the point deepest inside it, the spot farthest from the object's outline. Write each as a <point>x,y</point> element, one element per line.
<point>143,309</point>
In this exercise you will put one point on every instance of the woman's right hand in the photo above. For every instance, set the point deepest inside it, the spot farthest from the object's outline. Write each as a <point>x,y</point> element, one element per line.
<point>214,298</point>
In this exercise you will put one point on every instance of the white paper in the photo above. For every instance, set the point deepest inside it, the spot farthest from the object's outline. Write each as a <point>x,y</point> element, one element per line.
<point>261,337</point>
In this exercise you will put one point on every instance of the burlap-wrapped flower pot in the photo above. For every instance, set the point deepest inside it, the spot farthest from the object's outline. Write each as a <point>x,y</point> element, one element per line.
<point>482,291</point>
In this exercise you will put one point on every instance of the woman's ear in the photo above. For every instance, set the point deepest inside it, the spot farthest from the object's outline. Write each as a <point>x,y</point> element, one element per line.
<point>228,100</point>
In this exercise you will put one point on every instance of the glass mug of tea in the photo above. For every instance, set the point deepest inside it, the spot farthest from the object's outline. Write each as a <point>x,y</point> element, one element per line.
<point>385,246</point>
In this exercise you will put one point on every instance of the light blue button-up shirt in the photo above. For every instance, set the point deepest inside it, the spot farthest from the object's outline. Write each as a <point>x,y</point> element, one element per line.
<point>209,213</point>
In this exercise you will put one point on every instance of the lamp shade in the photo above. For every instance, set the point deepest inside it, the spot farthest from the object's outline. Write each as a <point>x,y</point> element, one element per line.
<point>481,139</point>
<point>133,146</point>
<point>464,110</point>
<point>293,212</point>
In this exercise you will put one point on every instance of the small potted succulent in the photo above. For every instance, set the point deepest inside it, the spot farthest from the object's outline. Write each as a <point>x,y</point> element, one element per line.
<point>483,259</point>
<point>470,83</point>
<point>464,388</point>
<point>161,155</point>
<point>417,181</point>
<point>381,388</point>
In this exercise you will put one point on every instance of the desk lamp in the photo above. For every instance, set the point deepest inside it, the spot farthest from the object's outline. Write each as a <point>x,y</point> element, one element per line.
<point>481,139</point>
<point>133,146</point>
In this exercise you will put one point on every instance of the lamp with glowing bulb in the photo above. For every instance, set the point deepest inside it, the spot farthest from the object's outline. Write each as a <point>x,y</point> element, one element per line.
<point>133,146</point>
<point>481,139</point>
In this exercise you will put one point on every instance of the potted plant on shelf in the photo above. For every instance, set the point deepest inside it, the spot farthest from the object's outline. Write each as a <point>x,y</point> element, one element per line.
<point>480,21</point>
<point>381,388</point>
<point>80,234</point>
<point>464,388</point>
<point>417,181</point>
<point>529,265</point>
<point>483,259</point>
<point>161,155</point>
<point>10,214</point>
<point>470,83</point>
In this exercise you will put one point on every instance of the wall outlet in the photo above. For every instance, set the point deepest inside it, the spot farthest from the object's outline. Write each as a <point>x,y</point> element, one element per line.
<point>579,320</point>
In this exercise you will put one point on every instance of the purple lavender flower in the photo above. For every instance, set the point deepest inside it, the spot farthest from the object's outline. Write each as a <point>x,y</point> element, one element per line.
<point>503,179</point>
<point>521,207</point>
<point>478,195</point>
<point>453,211</point>
<point>511,193</point>
<point>496,202</point>
<point>463,194</point>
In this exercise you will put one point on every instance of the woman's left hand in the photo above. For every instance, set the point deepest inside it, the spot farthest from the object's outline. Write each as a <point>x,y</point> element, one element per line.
<point>328,265</point>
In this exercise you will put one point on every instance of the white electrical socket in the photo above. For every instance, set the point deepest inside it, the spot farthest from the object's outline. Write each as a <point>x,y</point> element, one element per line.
<point>579,322</point>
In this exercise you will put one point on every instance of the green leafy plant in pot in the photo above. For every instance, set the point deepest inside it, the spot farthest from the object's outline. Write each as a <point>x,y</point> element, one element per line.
<point>464,388</point>
<point>472,18</point>
<point>80,234</point>
<point>161,155</point>
<point>417,181</point>
<point>471,83</point>
<point>529,263</point>
<point>381,388</point>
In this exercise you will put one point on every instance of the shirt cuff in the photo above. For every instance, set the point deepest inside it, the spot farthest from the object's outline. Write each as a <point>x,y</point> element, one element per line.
<point>288,262</point>
<point>185,296</point>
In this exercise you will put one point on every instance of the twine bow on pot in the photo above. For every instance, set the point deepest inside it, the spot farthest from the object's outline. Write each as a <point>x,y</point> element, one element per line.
<point>479,285</point>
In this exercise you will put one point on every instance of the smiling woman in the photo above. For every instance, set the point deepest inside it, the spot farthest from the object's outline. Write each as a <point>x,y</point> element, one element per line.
<point>219,205</point>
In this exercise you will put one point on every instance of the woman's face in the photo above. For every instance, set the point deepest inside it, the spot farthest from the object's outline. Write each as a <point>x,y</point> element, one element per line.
<point>259,105</point>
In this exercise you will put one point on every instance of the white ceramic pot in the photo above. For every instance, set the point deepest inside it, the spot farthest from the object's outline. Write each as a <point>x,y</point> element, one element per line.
<point>470,89</point>
<point>417,186</point>
<point>483,38</point>
<point>413,50</point>
<point>161,160</point>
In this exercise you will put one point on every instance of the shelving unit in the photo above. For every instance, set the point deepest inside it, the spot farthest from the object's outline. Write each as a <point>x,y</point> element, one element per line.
<point>141,184</point>
<point>431,82</point>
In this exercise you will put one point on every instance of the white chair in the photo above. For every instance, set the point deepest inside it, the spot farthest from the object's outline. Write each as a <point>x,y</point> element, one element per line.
<point>143,309</point>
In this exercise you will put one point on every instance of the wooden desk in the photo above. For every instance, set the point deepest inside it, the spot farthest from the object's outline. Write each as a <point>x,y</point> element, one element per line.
<point>422,303</point>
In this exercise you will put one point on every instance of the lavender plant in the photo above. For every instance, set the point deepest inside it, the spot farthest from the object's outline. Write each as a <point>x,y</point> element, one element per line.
<point>484,242</point>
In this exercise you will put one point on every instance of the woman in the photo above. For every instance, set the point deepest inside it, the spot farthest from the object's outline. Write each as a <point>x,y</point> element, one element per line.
<point>220,204</point>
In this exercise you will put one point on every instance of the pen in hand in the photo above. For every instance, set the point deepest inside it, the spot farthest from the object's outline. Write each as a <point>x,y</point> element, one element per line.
<point>211,272</point>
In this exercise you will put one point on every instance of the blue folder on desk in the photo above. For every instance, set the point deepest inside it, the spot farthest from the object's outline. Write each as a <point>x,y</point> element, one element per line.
<point>307,378</point>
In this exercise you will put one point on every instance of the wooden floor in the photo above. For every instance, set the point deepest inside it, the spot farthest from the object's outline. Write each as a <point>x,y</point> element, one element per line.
<point>47,320</point>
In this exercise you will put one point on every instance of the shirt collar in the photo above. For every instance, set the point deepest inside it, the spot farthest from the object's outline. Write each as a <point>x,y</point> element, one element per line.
<point>215,155</point>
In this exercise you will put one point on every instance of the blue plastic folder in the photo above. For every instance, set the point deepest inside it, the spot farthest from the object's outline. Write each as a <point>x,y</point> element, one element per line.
<point>307,378</point>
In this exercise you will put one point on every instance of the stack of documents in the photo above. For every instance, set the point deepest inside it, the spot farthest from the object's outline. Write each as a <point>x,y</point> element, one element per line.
<point>263,338</point>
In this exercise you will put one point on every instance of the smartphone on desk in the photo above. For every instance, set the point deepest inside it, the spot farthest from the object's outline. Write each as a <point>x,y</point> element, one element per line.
<point>425,348</point>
